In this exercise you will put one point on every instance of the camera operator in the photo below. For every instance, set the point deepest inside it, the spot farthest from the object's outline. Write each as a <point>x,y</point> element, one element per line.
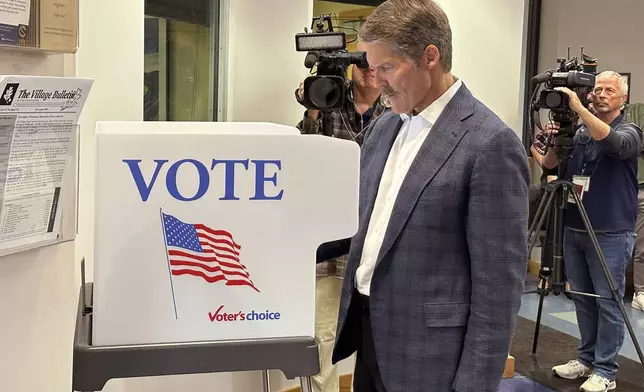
<point>604,161</point>
<point>362,106</point>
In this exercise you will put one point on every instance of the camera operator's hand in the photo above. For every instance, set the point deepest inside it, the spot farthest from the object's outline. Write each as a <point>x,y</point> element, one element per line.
<point>575,102</point>
<point>312,114</point>
<point>300,92</point>
<point>552,128</point>
<point>591,105</point>
<point>544,155</point>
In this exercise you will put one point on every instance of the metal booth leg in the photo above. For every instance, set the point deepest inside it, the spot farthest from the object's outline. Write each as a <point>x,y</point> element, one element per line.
<point>266,382</point>
<point>305,384</point>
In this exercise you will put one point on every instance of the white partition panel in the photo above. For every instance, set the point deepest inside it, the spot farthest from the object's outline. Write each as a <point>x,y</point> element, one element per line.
<point>209,231</point>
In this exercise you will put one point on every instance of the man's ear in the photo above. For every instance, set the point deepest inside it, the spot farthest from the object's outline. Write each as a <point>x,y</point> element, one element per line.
<point>431,56</point>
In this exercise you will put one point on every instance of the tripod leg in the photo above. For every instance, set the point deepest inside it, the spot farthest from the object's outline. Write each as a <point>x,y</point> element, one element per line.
<point>557,222</point>
<point>540,216</point>
<point>616,295</point>
<point>538,323</point>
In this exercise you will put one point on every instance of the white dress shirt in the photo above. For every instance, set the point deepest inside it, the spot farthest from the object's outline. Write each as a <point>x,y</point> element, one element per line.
<point>411,136</point>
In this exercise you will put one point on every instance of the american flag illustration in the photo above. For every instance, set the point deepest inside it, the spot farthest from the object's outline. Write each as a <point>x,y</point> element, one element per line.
<point>198,250</point>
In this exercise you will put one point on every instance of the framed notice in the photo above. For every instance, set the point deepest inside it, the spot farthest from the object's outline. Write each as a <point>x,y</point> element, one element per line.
<point>50,25</point>
<point>59,25</point>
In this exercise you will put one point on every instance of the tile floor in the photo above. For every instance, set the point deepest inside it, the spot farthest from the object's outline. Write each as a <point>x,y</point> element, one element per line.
<point>559,313</point>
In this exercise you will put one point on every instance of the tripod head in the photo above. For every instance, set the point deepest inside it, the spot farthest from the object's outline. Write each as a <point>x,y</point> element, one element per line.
<point>563,141</point>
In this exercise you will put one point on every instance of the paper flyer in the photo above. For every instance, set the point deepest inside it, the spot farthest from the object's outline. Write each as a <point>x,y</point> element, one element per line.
<point>38,119</point>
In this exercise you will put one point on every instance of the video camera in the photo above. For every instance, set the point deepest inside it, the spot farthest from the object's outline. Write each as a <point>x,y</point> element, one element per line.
<point>571,74</point>
<point>327,50</point>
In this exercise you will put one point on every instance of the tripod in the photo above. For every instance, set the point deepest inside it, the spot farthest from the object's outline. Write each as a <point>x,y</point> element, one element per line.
<point>553,204</point>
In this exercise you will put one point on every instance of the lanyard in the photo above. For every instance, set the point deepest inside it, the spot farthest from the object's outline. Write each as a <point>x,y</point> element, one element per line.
<point>589,154</point>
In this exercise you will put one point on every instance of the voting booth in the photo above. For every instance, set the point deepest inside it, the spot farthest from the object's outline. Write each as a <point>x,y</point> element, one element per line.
<point>205,243</point>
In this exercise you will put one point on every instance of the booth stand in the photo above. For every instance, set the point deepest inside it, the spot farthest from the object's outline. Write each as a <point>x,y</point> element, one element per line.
<point>94,366</point>
<point>200,268</point>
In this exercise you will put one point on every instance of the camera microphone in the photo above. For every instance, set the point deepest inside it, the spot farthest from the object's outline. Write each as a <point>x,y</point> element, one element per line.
<point>541,78</point>
<point>311,59</point>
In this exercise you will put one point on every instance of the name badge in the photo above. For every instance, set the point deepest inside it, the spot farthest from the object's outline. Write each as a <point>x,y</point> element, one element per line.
<point>581,185</point>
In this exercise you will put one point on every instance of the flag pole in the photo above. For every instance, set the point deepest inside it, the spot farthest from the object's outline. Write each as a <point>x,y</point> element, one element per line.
<point>165,242</point>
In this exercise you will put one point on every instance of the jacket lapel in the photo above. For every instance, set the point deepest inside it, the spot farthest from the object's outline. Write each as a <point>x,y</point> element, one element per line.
<point>443,138</point>
<point>373,172</point>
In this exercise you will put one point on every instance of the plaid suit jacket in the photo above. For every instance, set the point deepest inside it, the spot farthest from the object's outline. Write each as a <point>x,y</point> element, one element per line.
<point>448,281</point>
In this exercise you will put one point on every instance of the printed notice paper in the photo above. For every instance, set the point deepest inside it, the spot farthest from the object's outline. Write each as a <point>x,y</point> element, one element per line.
<point>14,12</point>
<point>38,119</point>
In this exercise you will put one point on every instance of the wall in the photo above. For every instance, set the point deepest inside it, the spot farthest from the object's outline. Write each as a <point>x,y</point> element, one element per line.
<point>115,62</point>
<point>487,52</point>
<point>264,69</point>
<point>37,288</point>
<point>609,30</point>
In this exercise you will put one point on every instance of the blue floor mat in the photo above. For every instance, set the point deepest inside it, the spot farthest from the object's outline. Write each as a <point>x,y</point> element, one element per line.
<point>521,384</point>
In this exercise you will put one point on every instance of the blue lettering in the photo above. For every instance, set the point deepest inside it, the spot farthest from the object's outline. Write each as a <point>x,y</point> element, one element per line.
<point>229,193</point>
<point>171,180</point>
<point>263,175</point>
<point>261,179</point>
<point>139,181</point>
<point>254,316</point>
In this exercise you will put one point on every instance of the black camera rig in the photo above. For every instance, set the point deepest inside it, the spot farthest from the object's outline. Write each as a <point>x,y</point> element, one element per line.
<point>570,73</point>
<point>327,52</point>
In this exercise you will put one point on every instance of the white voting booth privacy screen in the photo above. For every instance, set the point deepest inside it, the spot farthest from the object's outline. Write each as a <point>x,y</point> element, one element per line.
<point>38,159</point>
<point>208,231</point>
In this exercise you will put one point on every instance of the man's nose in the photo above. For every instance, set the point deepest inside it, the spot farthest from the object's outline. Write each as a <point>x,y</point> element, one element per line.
<point>380,81</point>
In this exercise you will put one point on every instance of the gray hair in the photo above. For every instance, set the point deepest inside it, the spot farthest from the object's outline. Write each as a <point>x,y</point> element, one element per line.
<point>623,82</point>
<point>409,26</point>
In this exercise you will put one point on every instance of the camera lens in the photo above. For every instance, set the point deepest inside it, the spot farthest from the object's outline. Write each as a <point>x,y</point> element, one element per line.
<point>554,100</point>
<point>325,92</point>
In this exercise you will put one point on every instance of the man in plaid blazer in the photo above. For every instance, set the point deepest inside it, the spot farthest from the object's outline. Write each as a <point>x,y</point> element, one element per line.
<point>436,269</point>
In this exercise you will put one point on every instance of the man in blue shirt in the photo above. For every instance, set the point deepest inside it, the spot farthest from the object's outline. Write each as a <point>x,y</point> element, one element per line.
<point>604,161</point>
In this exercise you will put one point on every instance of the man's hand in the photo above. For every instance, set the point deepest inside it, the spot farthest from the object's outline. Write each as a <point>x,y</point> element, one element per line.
<point>575,102</point>
<point>300,92</point>
<point>312,114</point>
<point>549,160</point>
<point>552,128</point>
